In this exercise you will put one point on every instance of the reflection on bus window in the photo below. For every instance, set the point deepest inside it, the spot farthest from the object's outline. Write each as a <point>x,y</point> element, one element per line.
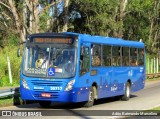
<point>133,56</point>
<point>84,60</point>
<point>125,56</point>
<point>141,56</point>
<point>39,58</point>
<point>116,57</point>
<point>107,55</point>
<point>96,55</point>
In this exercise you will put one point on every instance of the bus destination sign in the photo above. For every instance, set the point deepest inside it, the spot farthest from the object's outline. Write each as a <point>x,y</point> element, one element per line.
<point>53,40</point>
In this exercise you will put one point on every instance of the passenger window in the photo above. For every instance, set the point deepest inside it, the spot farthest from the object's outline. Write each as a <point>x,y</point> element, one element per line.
<point>96,55</point>
<point>107,57</point>
<point>116,57</point>
<point>141,57</point>
<point>84,60</point>
<point>133,56</point>
<point>125,56</point>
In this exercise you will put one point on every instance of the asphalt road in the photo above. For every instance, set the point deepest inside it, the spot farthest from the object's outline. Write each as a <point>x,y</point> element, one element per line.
<point>145,99</point>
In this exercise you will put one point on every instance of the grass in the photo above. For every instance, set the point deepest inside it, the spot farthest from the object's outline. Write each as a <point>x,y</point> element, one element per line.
<point>15,62</point>
<point>10,100</point>
<point>5,83</point>
<point>6,101</point>
<point>156,108</point>
<point>13,100</point>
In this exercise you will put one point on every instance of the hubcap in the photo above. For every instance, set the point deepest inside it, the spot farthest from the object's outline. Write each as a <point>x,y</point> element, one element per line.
<point>90,96</point>
<point>127,91</point>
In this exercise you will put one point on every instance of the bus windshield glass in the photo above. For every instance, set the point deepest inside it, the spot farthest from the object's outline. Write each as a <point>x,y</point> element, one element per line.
<point>49,60</point>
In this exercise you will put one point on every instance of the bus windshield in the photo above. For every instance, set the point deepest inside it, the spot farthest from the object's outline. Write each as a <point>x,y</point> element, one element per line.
<point>40,58</point>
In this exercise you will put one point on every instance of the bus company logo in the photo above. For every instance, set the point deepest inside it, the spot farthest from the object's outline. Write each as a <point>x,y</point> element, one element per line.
<point>6,113</point>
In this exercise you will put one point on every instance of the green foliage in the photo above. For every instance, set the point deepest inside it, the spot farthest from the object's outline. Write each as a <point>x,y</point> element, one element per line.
<point>96,17</point>
<point>156,108</point>
<point>43,21</point>
<point>13,40</point>
<point>6,101</point>
<point>140,20</point>
<point>15,65</point>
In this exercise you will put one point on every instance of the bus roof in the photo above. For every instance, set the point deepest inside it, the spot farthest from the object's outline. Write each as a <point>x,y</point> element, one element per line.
<point>108,40</point>
<point>53,34</point>
<point>96,39</point>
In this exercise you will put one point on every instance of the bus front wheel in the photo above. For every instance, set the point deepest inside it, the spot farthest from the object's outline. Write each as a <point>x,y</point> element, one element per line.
<point>90,101</point>
<point>45,104</point>
<point>127,94</point>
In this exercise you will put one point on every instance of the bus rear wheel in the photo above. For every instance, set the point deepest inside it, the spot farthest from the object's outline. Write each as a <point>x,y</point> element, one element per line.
<point>127,94</point>
<point>90,101</point>
<point>45,104</point>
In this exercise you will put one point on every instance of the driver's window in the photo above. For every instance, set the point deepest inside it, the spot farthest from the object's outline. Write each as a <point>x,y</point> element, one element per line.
<point>84,60</point>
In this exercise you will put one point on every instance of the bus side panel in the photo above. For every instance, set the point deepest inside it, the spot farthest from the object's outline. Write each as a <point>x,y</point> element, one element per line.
<point>104,88</point>
<point>119,78</point>
<point>138,78</point>
<point>83,87</point>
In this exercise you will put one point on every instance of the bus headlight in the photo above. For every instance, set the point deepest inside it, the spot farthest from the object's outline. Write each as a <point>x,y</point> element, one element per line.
<point>24,83</point>
<point>69,85</point>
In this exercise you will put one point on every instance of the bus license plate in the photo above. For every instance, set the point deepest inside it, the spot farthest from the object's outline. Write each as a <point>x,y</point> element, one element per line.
<point>47,95</point>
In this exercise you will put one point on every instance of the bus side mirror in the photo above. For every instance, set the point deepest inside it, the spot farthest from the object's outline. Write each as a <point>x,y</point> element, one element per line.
<point>18,52</point>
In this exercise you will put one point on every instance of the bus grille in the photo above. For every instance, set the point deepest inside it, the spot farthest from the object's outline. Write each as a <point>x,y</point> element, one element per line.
<point>46,83</point>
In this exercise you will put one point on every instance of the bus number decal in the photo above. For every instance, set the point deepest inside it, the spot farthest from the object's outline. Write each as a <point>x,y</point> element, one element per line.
<point>55,88</point>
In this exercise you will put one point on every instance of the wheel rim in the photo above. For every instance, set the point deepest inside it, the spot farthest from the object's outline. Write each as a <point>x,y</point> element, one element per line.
<point>127,91</point>
<point>90,96</point>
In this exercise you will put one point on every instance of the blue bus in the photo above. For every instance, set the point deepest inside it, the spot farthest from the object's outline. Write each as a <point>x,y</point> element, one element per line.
<point>72,67</point>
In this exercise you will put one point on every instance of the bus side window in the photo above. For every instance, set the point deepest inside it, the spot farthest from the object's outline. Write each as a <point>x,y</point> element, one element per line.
<point>125,56</point>
<point>96,55</point>
<point>116,58</point>
<point>141,56</point>
<point>107,55</point>
<point>84,60</point>
<point>133,56</point>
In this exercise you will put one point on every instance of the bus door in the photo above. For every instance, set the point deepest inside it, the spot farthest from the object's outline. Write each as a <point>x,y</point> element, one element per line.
<point>84,73</point>
<point>97,73</point>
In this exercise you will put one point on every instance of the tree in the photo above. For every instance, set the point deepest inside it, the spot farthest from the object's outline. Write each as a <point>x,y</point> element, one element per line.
<point>26,17</point>
<point>142,21</point>
<point>65,9</point>
<point>103,17</point>
<point>128,19</point>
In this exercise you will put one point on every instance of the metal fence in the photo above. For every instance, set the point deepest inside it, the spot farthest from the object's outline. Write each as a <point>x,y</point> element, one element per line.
<point>153,64</point>
<point>9,91</point>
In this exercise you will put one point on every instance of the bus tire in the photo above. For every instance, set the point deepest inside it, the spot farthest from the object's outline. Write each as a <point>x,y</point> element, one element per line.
<point>45,104</point>
<point>90,101</point>
<point>127,94</point>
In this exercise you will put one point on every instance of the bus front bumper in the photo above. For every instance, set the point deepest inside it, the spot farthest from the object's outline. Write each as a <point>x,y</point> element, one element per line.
<point>70,96</point>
